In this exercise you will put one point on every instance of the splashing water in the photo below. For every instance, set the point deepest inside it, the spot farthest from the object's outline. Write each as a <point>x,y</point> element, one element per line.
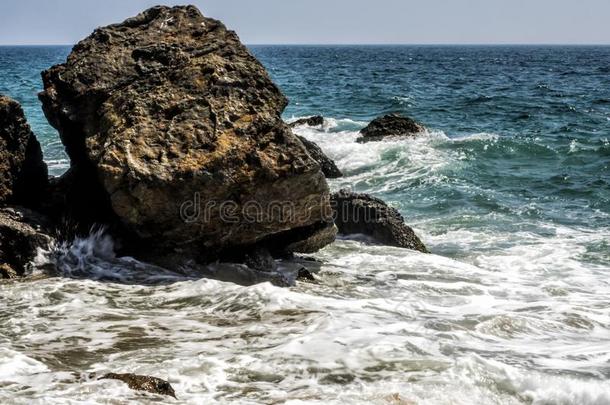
<point>512,307</point>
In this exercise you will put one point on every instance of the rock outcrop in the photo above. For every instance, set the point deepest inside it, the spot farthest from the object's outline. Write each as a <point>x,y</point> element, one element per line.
<point>23,174</point>
<point>314,121</point>
<point>327,165</point>
<point>143,383</point>
<point>370,216</point>
<point>390,125</point>
<point>22,233</point>
<point>174,130</point>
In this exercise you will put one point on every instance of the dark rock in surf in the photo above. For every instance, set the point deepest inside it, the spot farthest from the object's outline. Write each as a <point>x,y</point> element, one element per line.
<point>170,123</point>
<point>315,121</point>
<point>143,383</point>
<point>22,233</point>
<point>23,174</point>
<point>390,125</point>
<point>305,275</point>
<point>367,215</point>
<point>259,259</point>
<point>320,235</point>
<point>328,166</point>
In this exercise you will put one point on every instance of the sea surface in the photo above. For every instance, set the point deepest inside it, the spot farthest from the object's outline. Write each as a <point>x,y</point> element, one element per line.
<point>509,188</point>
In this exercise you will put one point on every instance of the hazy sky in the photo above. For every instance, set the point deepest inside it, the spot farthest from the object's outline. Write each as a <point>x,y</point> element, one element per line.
<point>332,21</point>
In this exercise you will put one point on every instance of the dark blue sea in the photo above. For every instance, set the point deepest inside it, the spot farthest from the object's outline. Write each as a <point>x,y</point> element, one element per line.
<point>509,187</point>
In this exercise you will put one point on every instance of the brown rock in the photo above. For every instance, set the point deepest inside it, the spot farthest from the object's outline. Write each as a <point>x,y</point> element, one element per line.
<point>22,233</point>
<point>390,125</point>
<point>328,166</point>
<point>165,117</point>
<point>23,174</point>
<point>314,121</point>
<point>367,215</point>
<point>143,383</point>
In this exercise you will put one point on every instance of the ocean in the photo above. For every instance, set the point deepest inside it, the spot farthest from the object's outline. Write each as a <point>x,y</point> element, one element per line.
<point>509,188</point>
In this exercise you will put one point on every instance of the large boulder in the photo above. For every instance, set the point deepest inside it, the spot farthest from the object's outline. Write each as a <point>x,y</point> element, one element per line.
<point>367,215</point>
<point>22,234</point>
<point>23,174</point>
<point>174,127</point>
<point>328,166</point>
<point>390,125</point>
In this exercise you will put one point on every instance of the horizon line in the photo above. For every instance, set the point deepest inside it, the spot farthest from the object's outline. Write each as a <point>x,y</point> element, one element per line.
<point>383,44</point>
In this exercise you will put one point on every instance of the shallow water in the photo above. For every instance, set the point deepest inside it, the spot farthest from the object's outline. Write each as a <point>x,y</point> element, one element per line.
<point>509,188</point>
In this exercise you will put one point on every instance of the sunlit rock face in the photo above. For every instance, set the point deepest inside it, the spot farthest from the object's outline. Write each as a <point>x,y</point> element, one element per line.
<point>167,114</point>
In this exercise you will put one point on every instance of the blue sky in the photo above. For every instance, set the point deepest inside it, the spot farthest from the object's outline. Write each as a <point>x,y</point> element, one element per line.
<point>333,21</point>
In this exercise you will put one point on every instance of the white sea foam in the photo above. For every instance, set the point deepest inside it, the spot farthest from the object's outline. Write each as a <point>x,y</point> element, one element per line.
<point>515,317</point>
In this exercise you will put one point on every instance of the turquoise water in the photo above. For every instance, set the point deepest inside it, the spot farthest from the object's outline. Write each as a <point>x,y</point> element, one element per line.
<point>509,188</point>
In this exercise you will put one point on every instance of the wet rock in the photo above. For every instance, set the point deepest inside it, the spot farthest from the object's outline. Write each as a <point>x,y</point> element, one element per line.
<point>314,121</point>
<point>23,174</point>
<point>321,235</point>
<point>328,166</point>
<point>174,129</point>
<point>242,275</point>
<point>260,259</point>
<point>143,383</point>
<point>390,125</point>
<point>22,233</point>
<point>367,215</point>
<point>305,275</point>
<point>7,272</point>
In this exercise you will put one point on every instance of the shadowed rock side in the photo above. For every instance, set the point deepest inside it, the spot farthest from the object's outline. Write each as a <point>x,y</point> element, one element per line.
<point>314,121</point>
<point>22,233</point>
<point>390,125</point>
<point>367,215</point>
<point>165,117</point>
<point>143,383</point>
<point>328,166</point>
<point>23,174</point>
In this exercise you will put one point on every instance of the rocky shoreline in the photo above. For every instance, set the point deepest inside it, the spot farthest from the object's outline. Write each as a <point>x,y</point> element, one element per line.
<point>177,147</point>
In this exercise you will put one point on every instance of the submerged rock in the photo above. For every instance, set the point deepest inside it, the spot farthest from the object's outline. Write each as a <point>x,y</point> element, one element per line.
<point>367,215</point>
<point>328,166</point>
<point>174,129</point>
<point>143,383</point>
<point>23,174</point>
<point>314,121</point>
<point>390,125</point>
<point>22,233</point>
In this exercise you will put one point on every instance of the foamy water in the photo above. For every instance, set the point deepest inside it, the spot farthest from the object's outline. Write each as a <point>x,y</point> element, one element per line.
<point>511,307</point>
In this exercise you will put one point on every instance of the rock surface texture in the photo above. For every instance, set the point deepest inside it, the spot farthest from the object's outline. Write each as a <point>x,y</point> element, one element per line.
<point>22,233</point>
<point>143,383</point>
<point>390,125</point>
<point>315,121</point>
<point>328,166</point>
<point>167,116</point>
<point>23,174</point>
<point>367,215</point>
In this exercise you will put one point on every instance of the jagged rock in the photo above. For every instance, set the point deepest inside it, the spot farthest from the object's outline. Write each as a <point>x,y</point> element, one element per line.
<point>173,127</point>
<point>390,125</point>
<point>305,275</point>
<point>143,383</point>
<point>325,234</point>
<point>260,259</point>
<point>7,272</point>
<point>367,215</point>
<point>314,121</point>
<point>328,166</point>
<point>23,174</point>
<point>22,233</point>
